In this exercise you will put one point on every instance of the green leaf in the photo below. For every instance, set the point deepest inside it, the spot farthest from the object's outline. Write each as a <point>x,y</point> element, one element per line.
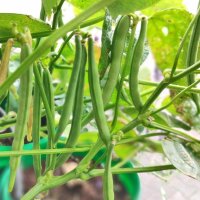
<point>120,7</point>
<point>165,31</point>
<point>49,5</point>
<point>185,157</point>
<point>82,3</point>
<point>38,28</point>
<point>163,5</point>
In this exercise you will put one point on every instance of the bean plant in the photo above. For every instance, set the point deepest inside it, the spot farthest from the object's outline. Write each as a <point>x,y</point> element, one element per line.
<point>64,82</point>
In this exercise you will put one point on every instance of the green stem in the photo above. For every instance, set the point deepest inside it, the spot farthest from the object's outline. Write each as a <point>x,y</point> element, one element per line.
<point>50,41</point>
<point>100,172</point>
<point>189,70</point>
<point>43,152</point>
<point>170,86</point>
<point>176,97</point>
<point>56,15</point>
<point>45,183</point>
<point>163,84</point>
<point>130,125</point>
<point>172,130</point>
<point>92,21</point>
<point>60,51</point>
<point>6,135</point>
<point>141,137</point>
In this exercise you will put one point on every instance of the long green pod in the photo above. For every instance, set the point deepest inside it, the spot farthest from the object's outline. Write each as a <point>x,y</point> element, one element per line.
<point>108,189</point>
<point>117,49</point>
<point>4,64</point>
<point>36,126</point>
<point>106,39</point>
<point>135,65</point>
<point>25,90</point>
<point>192,57</point>
<point>77,112</point>
<point>48,88</point>
<point>96,96</point>
<point>70,95</point>
<point>126,68</point>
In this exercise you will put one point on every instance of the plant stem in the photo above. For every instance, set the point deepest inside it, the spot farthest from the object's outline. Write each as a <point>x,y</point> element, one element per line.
<point>49,42</point>
<point>170,86</point>
<point>43,151</point>
<point>100,172</point>
<point>163,84</point>
<point>130,125</point>
<point>176,97</point>
<point>6,135</point>
<point>141,137</point>
<point>171,130</point>
<point>55,17</point>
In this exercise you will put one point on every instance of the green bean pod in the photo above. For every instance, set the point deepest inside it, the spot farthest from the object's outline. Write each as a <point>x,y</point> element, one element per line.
<point>4,64</point>
<point>192,58</point>
<point>25,90</point>
<point>108,189</point>
<point>70,95</point>
<point>77,111</point>
<point>48,88</point>
<point>126,70</point>
<point>96,96</point>
<point>106,39</point>
<point>136,61</point>
<point>36,126</point>
<point>117,49</point>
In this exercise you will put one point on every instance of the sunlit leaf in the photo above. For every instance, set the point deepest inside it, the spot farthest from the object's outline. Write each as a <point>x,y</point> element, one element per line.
<point>183,156</point>
<point>38,28</point>
<point>128,6</point>
<point>165,31</point>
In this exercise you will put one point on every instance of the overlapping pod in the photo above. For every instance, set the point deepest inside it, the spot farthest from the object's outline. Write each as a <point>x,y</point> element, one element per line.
<point>70,95</point>
<point>77,111</point>
<point>25,95</point>
<point>48,88</point>
<point>135,65</point>
<point>117,49</point>
<point>192,57</point>
<point>126,68</point>
<point>36,125</point>
<point>96,96</point>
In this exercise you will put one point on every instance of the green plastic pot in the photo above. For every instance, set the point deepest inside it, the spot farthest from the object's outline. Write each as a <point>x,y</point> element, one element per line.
<point>27,161</point>
<point>131,182</point>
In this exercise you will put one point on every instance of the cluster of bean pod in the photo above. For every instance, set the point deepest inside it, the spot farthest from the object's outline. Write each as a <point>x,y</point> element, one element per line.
<point>112,54</point>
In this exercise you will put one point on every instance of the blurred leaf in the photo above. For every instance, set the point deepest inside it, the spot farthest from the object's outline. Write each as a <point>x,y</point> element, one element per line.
<point>124,150</point>
<point>165,31</point>
<point>121,7</point>
<point>163,5</point>
<point>49,5</point>
<point>37,27</point>
<point>87,138</point>
<point>183,156</point>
